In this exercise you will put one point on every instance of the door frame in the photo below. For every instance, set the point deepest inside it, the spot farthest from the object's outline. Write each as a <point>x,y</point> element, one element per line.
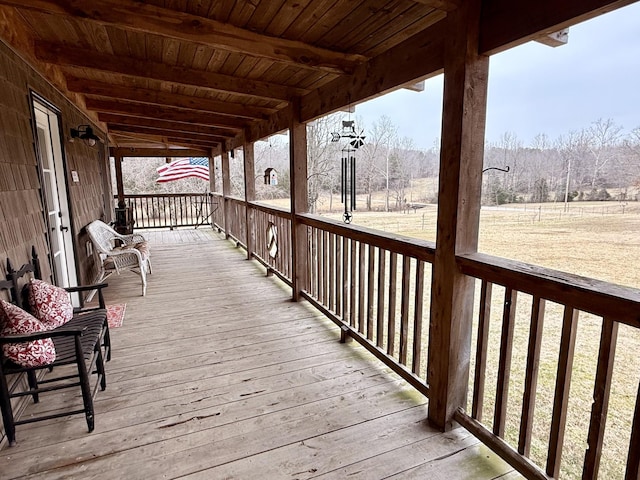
<point>60,168</point>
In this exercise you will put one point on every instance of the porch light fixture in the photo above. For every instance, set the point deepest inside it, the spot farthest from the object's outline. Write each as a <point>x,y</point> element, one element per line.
<point>85,132</point>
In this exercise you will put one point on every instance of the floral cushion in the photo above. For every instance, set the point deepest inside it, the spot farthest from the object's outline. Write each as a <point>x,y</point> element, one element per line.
<point>49,304</point>
<point>15,321</point>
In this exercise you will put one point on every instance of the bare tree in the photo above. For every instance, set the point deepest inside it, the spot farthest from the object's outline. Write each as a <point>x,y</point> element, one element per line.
<point>323,157</point>
<point>604,136</point>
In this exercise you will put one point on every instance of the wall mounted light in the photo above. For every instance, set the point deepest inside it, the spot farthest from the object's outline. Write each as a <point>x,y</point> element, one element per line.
<point>85,132</point>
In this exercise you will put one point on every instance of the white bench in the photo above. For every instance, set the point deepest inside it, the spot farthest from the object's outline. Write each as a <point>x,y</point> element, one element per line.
<point>116,252</point>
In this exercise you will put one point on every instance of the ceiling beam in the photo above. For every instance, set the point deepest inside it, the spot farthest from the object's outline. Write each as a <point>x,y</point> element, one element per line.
<point>143,138</point>
<point>132,152</point>
<point>166,125</point>
<point>505,23</point>
<point>65,56</point>
<point>417,58</point>
<point>115,127</point>
<point>158,97</point>
<point>165,113</point>
<point>136,16</point>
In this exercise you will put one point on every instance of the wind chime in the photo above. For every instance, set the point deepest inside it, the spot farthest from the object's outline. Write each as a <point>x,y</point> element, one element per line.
<point>353,141</point>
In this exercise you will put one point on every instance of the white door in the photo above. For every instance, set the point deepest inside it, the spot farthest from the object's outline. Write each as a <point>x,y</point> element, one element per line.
<point>55,195</point>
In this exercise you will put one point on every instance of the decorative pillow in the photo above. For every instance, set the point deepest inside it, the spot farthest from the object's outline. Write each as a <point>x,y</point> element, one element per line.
<point>15,321</point>
<point>49,304</point>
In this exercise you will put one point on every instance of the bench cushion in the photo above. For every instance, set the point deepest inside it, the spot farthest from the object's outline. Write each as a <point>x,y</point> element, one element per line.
<point>49,304</point>
<point>15,321</point>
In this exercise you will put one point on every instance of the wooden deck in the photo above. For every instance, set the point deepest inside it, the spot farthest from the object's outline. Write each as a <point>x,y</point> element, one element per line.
<point>216,374</point>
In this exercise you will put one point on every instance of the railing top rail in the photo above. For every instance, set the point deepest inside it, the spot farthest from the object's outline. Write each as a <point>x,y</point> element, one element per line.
<point>162,195</point>
<point>598,297</point>
<point>420,249</point>
<point>278,211</point>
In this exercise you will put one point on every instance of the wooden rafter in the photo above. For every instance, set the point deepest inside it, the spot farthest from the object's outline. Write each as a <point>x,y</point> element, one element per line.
<point>156,152</point>
<point>158,97</point>
<point>205,139</point>
<point>164,140</point>
<point>110,118</point>
<point>139,17</point>
<point>166,113</point>
<point>65,56</point>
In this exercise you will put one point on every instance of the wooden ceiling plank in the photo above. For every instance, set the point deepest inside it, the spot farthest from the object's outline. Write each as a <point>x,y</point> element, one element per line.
<point>157,97</point>
<point>167,113</point>
<point>150,19</point>
<point>69,56</point>
<point>505,24</point>
<point>446,5</point>
<point>112,118</point>
<point>288,13</point>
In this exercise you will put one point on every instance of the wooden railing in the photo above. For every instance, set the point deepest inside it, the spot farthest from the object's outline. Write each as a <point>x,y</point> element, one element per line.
<point>572,302</point>
<point>376,287</point>
<point>271,232</point>
<point>170,210</point>
<point>237,221</point>
<point>217,210</point>
<point>372,284</point>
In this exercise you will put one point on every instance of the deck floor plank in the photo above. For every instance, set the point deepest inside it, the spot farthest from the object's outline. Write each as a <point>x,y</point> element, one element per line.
<point>217,374</point>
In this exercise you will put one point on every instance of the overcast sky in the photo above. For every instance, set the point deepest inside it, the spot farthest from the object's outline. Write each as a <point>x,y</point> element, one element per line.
<point>535,89</point>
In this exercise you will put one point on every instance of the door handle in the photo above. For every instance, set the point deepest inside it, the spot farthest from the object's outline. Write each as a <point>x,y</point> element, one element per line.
<point>64,229</point>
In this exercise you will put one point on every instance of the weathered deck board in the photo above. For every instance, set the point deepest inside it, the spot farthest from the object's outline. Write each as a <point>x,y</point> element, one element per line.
<point>217,374</point>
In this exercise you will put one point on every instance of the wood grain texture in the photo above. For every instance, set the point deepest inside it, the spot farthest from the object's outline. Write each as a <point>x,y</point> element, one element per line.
<point>272,391</point>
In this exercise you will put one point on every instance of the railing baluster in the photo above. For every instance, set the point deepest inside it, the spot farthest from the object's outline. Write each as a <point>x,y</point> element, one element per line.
<point>561,395</point>
<point>332,272</point>
<point>320,280</point>
<point>504,366</point>
<point>531,375</point>
<point>352,292</point>
<point>345,278</point>
<point>371,260</point>
<point>417,319</point>
<point>602,388</point>
<point>361,286</point>
<point>404,309</point>
<point>382,257</point>
<point>391,327</point>
<point>633,458</point>
<point>338,275</point>
<point>481,350</point>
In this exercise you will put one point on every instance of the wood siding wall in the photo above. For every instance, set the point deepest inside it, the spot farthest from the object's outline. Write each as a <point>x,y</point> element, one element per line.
<point>21,216</point>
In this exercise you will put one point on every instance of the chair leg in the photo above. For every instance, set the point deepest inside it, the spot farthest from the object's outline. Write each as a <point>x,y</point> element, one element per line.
<point>100,367</point>
<point>33,385</point>
<point>149,265</point>
<point>85,386</point>
<point>106,341</point>
<point>143,277</point>
<point>7,410</point>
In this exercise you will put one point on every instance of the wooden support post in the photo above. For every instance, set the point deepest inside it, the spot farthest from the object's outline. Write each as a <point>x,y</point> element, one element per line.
<point>119,183</point>
<point>463,125</point>
<point>299,199</point>
<point>226,191</point>
<point>249,196</point>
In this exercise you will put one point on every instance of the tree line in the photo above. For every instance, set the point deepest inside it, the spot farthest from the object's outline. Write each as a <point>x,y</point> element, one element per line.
<point>598,162</point>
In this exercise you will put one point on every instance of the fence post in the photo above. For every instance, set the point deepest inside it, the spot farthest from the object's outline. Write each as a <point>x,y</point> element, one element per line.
<point>459,193</point>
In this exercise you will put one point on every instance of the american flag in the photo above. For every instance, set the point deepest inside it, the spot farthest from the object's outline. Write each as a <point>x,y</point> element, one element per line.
<point>183,168</point>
